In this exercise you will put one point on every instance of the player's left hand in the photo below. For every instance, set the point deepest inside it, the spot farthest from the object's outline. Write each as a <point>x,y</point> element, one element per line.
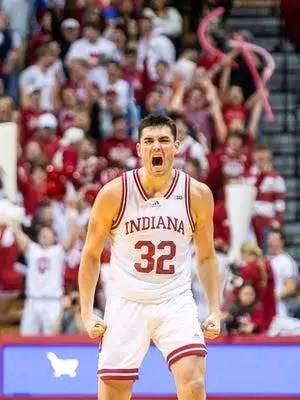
<point>211,326</point>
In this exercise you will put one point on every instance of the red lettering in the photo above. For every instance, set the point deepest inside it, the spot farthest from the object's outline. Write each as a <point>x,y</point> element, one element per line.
<point>159,265</point>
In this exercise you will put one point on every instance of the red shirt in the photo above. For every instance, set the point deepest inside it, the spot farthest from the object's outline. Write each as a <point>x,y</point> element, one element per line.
<point>49,148</point>
<point>221,224</point>
<point>266,293</point>
<point>31,195</point>
<point>28,123</point>
<point>231,112</point>
<point>10,278</point>
<point>111,143</point>
<point>207,62</point>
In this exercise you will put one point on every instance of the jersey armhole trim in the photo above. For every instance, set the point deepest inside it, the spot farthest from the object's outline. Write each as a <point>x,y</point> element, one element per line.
<point>188,201</point>
<point>116,223</point>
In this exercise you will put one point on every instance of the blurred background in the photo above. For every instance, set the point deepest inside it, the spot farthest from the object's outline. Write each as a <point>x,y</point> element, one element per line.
<point>76,77</point>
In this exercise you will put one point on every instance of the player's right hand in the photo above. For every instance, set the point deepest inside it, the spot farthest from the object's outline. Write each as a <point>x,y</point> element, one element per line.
<point>95,326</point>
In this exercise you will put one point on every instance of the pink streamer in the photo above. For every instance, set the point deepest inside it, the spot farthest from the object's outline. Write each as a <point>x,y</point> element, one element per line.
<point>246,48</point>
<point>204,42</point>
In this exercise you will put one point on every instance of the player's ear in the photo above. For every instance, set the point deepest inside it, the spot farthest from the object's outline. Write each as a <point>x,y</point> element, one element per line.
<point>177,145</point>
<point>138,149</point>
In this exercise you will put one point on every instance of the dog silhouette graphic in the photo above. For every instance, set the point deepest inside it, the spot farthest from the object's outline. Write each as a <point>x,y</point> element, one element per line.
<point>63,366</point>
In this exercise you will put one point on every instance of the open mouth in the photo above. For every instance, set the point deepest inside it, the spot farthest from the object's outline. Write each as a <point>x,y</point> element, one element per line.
<point>157,161</point>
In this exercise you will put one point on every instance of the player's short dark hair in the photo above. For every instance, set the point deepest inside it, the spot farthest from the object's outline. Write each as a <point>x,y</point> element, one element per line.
<point>157,120</point>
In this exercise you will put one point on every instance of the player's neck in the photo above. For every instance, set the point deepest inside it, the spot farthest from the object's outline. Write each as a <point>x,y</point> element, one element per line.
<point>155,185</point>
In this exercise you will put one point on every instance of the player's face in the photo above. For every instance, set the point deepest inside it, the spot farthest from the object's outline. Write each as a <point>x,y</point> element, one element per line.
<point>157,149</point>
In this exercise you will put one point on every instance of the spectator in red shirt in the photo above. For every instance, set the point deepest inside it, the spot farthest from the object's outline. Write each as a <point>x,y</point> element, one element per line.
<point>119,147</point>
<point>29,115</point>
<point>47,135</point>
<point>32,187</point>
<point>231,161</point>
<point>269,205</point>
<point>234,106</point>
<point>11,278</point>
<point>245,315</point>
<point>258,271</point>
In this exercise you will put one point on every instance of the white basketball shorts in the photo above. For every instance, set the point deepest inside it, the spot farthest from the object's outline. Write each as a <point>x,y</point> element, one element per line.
<point>173,326</point>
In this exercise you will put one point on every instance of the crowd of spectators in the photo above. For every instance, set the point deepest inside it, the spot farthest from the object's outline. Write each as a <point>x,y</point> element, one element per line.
<point>90,72</point>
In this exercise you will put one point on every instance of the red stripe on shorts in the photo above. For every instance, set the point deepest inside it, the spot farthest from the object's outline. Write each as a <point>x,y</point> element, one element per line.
<point>118,374</point>
<point>187,350</point>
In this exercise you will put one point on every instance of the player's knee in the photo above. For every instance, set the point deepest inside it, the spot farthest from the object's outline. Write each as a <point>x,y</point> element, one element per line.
<point>191,380</point>
<point>195,386</point>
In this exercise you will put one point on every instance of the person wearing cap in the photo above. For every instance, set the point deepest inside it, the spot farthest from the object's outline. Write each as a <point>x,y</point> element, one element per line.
<point>70,31</point>
<point>47,135</point>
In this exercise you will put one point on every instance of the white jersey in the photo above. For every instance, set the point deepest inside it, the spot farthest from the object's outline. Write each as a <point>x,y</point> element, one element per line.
<point>150,242</point>
<point>45,271</point>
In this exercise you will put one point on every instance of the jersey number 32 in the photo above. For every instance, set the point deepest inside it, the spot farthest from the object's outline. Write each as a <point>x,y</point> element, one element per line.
<point>156,258</point>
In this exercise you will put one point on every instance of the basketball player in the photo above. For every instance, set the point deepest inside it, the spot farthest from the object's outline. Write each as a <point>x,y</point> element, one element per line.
<point>151,215</point>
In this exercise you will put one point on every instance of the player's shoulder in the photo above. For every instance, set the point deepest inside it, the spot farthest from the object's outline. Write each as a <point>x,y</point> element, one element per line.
<point>112,189</point>
<point>199,191</point>
<point>110,195</point>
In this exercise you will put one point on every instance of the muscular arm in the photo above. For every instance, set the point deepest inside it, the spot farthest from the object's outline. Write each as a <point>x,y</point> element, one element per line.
<point>202,207</point>
<point>104,212</point>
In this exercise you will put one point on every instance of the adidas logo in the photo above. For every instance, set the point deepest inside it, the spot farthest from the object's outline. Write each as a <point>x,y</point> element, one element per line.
<point>156,204</point>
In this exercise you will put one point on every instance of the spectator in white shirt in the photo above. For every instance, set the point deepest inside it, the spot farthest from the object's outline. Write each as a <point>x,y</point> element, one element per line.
<point>110,79</point>
<point>167,20</point>
<point>153,47</point>
<point>285,270</point>
<point>41,74</point>
<point>92,46</point>
<point>44,279</point>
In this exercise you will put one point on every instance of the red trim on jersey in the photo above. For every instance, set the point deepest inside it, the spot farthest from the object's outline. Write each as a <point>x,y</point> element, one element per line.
<point>188,201</point>
<point>142,190</point>
<point>173,185</point>
<point>187,350</point>
<point>139,185</point>
<point>123,203</point>
<point>118,374</point>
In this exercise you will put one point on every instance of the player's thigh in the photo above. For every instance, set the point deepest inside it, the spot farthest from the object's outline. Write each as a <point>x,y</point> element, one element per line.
<point>179,335</point>
<point>125,342</point>
<point>30,323</point>
<point>189,370</point>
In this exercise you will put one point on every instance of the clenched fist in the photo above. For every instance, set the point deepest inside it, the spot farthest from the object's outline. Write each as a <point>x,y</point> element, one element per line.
<point>211,326</point>
<point>95,326</point>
